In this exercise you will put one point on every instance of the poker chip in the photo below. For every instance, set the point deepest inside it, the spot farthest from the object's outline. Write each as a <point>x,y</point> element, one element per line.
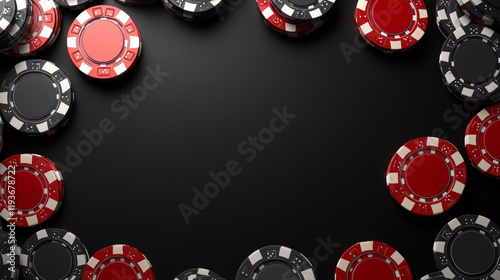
<point>7,14</point>
<point>136,2</point>
<point>482,139</point>
<point>490,8</point>
<point>404,29</point>
<point>470,64</point>
<point>427,176</point>
<point>131,264</point>
<point>54,254</point>
<point>467,248</point>
<point>434,276</point>
<point>9,267</point>
<point>43,31</point>
<point>303,10</point>
<point>36,97</point>
<point>271,262</point>
<point>450,17</point>
<point>37,186</point>
<point>15,32</point>
<point>285,26</point>
<point>198,273</point>
<point>476,15</point>
<point>74,4</point>
<point>104,42</point>
<point>369,258</point>
<point>193,9</point>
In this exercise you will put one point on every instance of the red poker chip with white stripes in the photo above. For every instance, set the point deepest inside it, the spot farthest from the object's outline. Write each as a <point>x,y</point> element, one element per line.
<point>372,260</point>
<point>427,176</point>
<point>104,42</point>
<point>118,262</point>
<point>482,141</point>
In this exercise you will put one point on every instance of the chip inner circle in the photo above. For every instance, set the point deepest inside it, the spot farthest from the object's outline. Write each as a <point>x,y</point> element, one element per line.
<point>114,267</point>
<point>492,138</point>
<point>52,260</point>
<point>427,175</point>
<point>30,187</point>
<point>276,271</point>
<point>102,41</point>
<point>472,253</point>
<point>475,60</point>
<point>391,16</point>
<point>367,268</point>
<point>34,95</point>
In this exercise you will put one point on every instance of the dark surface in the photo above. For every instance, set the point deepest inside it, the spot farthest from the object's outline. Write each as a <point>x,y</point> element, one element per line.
<point>322,177</point>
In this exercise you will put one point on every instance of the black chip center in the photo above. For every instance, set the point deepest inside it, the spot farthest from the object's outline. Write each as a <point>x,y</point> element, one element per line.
<point>276,271</point>
<point>475,60</point>
<point>34,95</point>
<point>473,253</point>
<point>52,261</point>
<point>303,3</point>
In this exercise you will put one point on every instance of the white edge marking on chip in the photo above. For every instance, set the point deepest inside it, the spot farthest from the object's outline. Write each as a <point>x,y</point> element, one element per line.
<point>215,2</point>
<point>135,43</point>
<point>487,32</point>
<point>438,246</point>
<point>120,69</point>
<point>392,178</point>
<point>42,127</point>
<point>444,56</point>
<point>495,275</point>
<point>457,158</point>
<point>123,17</point>
<point>366,246</point>
<point>70,237</point>
<point>453,224</point>
<point>449,77</point>
<point>308,274</point>
<point>396,256</point>
<point>92,262</point>
<point>46,5</point>
<point>459,187</point>
<point>491,87</point>
<point>267,12</point>
<point>437,208</point>
<point>21,67</point>
<point>366,28</point>
<point>85,68</point>
<point>46,32</point>
<point>441,14</point>
<point>81,259</point>
<point>2,168</point>
<point>4,24</point>
<point>408,204</point>
<point>190,7</point>
<point>467,92</point>
<point>26,158</point>
<point>403,152</point>
<point>432,141</point>
<point>63,109</point>
<point>471,140</point>
<point>83,17</point>
<point>287,10</point>
<point>481,220</point>
<point>5,214</point>
<point>484,165</point>
<point>71,42</point>
<point>144,265</point>
<point>483,114</point>
<point>42,234</point>
<point>418,34</point>
<point>422,13</point>
<point>255,257</point>
<point>459,33</point>
<point>316,13</point>
<point>447,273</point>
<point>23,260</point>
<point>362,5</point>
<point>118,250</point>
<point>50,67</point>
<point>285,252</point>
<point>290,27</point>
<point>343,265</point>
<point>51,204</point>
<point>32,220</point>
<point>203,271</point>
<point>65,85</point>
<point>3,97</point>
<point>51,176</point>
<point>396,45</point>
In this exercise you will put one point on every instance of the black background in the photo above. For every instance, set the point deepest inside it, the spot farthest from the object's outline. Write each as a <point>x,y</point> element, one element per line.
<point>323,176</point>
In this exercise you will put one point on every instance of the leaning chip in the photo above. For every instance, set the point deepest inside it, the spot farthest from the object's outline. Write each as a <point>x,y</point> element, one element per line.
<point>7,14</point>
<point>450,17</point>
<point>303,10</point>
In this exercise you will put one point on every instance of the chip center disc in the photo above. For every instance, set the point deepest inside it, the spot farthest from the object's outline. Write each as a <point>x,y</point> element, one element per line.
<point>29,187</point>
<point>368,268</point>
<point>302,3</point>
<point>276,272</point>
<point>52,261</point>
<point>34,95</point>
<point>427,175</point>
<point>391,16</point>
<point>103,41</point>
<point>475,61</point>
<point>472,253</point>
<point>117,270</point>
<point>492,139</point>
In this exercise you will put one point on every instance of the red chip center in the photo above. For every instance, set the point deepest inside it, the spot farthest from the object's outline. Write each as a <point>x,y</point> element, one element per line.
<point>103,41</point>
<point>391,16</point>
<point>492,139</point>
<point>427,175</point>
<point>370,267</point>
<point>117,270</point>
<point>29,190</point>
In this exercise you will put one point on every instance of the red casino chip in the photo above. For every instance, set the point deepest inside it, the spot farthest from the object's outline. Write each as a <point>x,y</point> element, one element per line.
<point>391,25</point>
<point>118,262</point>
<point>104,42</point>
<point>34,185</point>
<point>482,139</point>
<point>427,176</point>
<point>366,259</point>
<point>284,26</point>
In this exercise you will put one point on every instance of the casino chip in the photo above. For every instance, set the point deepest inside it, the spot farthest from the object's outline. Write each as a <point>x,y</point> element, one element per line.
<point>450,17</point>
<point>136,2</point>
<point>128,261</point>
<point>365,259</point>
<point>36,97</point>
<point>54,254</point>
<point>198,273</point>
<point>427,176</point>
<point>276,262</point>
<point>43,31</point>
<point>467,248</point>
<point>482,139</point>
<point>434,276</point>
<point>470,64</point>
<point>490,8</point>
<point>38,190</point>
<point>193,9</point>
<point>476,15</point>
<point>303,10</point>
<point>9,267</point>
<point>74,4</point>
<point>14,34</point>
<point>404,29</point>
<point>104,42</point>
<point>7,14</point>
